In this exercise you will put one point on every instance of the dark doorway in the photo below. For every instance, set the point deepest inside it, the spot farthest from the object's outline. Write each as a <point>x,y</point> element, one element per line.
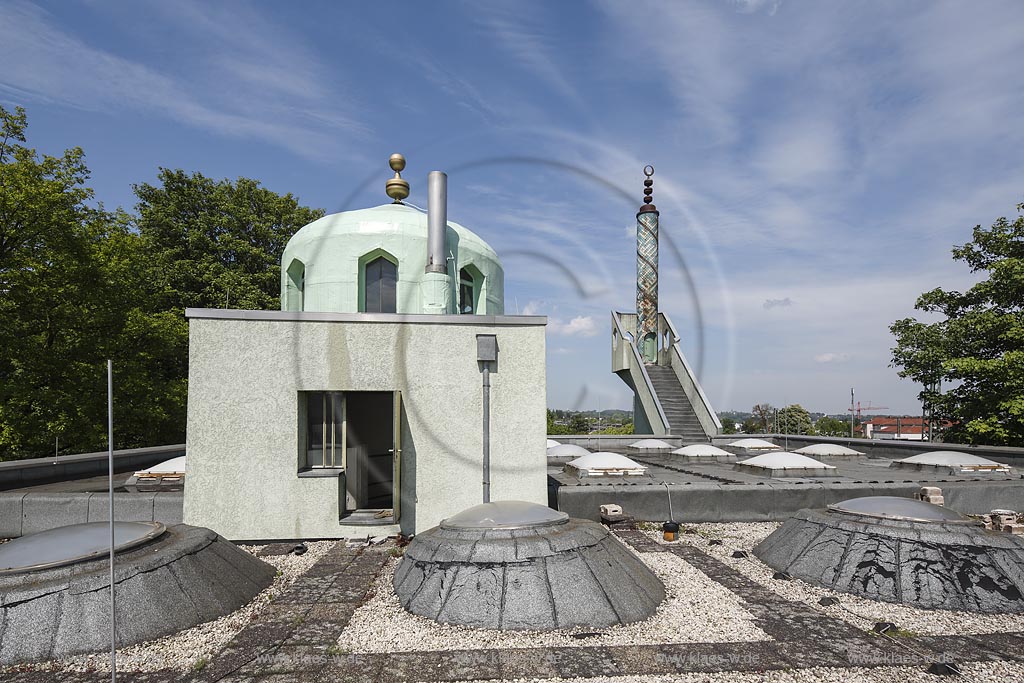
<point>370,453</point>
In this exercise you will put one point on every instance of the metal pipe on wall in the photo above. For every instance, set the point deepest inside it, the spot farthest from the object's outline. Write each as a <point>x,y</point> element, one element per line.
<point>487,432</point>
<point>437,222</point>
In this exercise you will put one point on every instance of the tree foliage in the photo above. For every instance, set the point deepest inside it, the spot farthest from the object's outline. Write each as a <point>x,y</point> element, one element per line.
<point>216,244</point>
<point>794,419</point>
<point>832,426</point>
<point>55,320</point>
<point>752,425</point>
<point>554,427</point>
<point>79,285</point>
<point>764,414</point>
<point>976,351</point>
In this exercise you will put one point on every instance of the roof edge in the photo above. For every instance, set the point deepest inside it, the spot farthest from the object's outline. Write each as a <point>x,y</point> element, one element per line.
<point>332,317</point>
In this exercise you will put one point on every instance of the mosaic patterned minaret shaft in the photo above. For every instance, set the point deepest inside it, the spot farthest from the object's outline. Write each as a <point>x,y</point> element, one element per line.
<point>647,273</point>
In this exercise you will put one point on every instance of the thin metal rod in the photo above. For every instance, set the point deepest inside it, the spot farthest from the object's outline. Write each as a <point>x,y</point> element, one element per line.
<point>110,463</point>
<point>487,432</point>
<point>851,412</point>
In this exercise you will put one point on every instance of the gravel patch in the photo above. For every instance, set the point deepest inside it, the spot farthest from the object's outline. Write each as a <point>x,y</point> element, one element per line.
<point>188,650</point>
<point>979,672</point>
<point>855,610</point>
<point>696,610</point>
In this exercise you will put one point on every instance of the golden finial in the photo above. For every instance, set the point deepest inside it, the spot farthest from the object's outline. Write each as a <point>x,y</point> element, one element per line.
<point>397,188</point>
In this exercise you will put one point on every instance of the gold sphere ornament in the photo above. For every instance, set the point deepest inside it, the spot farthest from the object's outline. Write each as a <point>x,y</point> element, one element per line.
<point>397,188</point>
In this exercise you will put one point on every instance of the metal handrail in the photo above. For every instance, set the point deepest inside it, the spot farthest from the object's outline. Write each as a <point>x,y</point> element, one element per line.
<point>689,370</point>
<point>643,370</point>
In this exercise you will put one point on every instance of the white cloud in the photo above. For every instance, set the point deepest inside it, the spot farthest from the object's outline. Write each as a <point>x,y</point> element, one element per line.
<point>533,308</point>
<point>525,39</point>
<point>777,303</point>
<point>235,90</point>
<point>831,357</point>
<point>580,326</point>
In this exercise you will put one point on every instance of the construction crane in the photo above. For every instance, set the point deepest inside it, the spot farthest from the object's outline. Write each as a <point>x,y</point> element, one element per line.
<point>855,412</point>
<point>867,407</point>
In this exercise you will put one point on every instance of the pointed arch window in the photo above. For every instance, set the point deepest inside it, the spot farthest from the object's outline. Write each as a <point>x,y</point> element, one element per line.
<point>381,289</point>
<point>295,285</point>
<point>467,292</point>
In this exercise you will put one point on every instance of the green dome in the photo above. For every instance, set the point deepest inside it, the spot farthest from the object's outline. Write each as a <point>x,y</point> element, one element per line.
<point>325,263</point>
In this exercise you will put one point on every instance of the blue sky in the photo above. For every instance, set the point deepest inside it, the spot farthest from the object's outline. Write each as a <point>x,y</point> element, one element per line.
<point>815,162</point>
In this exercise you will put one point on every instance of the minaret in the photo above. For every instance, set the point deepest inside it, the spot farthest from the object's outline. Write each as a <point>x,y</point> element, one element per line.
<point>647,274</point>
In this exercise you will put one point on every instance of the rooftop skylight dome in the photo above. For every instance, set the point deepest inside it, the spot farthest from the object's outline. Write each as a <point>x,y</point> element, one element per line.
<point>570,450</point>
<point>72,544</point>
<point>167,475</point>
<point>650,446</point>
<point>605,465</point>
<point>702,452</point>
<point>901,550</point>
<point>513,565</point>
<point>754,445</point>
<point>951,462</point>
<point>819,450</point>
<point>895,507</point>
<point>55,586</point>
<point>784,464</point>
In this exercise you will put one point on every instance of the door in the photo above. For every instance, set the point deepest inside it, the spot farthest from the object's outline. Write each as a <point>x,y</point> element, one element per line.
<point>397,460</point>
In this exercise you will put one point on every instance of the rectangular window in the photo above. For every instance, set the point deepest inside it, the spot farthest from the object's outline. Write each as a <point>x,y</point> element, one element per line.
<point>325,428</point>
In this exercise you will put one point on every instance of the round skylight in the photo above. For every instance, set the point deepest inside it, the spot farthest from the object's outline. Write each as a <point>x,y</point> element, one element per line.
<point>505,514</point>
<point>785,461</point>
<point>951,459</point>
<point>75,543</point>
<point>651,444</point>
<point>894,507</point>
<point>755,445</point>
<point>570,450</point>
<point>597,464</point>
<point>552,443</point>
<point>823,449</point>
<point>173,465</point>
<point>700,450</point>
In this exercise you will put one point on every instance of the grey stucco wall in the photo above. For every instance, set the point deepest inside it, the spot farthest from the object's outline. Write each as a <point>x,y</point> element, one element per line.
<point>243,427</point>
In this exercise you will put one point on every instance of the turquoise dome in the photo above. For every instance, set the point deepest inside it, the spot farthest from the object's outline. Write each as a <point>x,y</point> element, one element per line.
<point>325,264</point>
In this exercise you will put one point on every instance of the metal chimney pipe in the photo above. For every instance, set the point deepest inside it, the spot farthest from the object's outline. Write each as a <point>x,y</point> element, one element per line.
<point>437,222</point>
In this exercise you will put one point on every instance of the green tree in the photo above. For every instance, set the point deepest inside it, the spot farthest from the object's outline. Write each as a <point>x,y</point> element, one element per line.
<point>831,426</point>
<point>765,416</point>
<point>752,425</point>
<point>578,424</point>
<point>728,425</point>
<point>553,427</point>
<point>79,285</point>
<point>977,349</point>
<point>216,243</point>
<point>626,428</point>
<point>56,318</point>
<point>794,419</point>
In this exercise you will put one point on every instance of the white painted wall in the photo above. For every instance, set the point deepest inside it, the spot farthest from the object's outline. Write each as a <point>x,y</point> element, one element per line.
<point>246,370</point>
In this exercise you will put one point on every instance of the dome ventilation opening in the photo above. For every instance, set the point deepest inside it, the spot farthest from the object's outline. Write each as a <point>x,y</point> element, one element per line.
<point>605,465</point>
<point>783,464</point>
<point>567,450</point>
<point>951,462</point>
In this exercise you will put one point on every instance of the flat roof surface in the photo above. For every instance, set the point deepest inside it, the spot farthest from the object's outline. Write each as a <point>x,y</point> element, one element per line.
<point>854,469</point>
